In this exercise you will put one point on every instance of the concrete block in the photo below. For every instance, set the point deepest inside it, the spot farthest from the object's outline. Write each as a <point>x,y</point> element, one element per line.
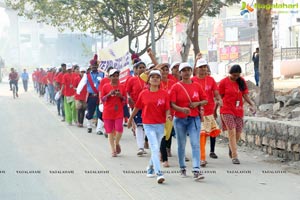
<point>296,112</point>
<point>258,140</point>
<point>281,144</point>
<point>265,141</point>
<point>272,143</point>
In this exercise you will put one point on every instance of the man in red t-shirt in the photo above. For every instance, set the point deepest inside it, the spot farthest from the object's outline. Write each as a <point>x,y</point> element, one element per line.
<point>13,79</point>
<point>68,90</point>
<point>58,81</point>
<point>80,99</point>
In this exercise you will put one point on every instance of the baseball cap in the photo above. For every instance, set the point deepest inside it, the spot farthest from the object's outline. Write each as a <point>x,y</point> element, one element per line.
<point>201,62</point>
<point>157,72</point>
<point>112,71</point>
<point>69,66</point>
<point>184,65</point>
<point>174,64</point>
<point>82,69</point>
<point>150,65</point>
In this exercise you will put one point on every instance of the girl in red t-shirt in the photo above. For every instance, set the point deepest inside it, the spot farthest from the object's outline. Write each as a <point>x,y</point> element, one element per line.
<point>155,105</point>
<point>233,90</point>
<point>113,96</point>
<point>186,97</point>
<point>209,126</point>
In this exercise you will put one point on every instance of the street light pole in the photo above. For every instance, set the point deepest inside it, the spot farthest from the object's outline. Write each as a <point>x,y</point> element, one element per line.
<point>152,26</point>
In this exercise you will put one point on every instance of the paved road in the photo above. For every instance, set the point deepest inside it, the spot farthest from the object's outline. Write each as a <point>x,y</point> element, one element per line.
<point>43,158</point>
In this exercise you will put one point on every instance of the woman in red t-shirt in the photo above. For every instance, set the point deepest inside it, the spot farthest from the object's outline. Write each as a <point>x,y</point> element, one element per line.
<point>186,97</point>
<point>209,126</point>
<point>113,96</point>
<point>155,105</point>
<point>233,89</point>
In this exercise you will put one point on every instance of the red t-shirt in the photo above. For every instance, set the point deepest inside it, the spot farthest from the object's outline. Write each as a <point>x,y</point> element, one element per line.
<point>44,79</point>
<point>67,82</point>
<point>113,106</point>
<point>180,98</point>
<point>50,77</point>
<point>135,86</point>
<point>83,93</point>
<point>58,79</point>
<point>34,76</point>
<point>171,77</point>
<point>209,85</point>
<point>154,106</point>
<point>233,97</point>
<point>103,82</point>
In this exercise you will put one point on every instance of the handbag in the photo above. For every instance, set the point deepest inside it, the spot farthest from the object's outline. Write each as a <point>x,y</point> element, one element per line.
<point>200,108</point>
<point>57,96</point>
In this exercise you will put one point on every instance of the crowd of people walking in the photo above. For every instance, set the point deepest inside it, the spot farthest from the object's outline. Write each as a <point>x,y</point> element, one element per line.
<point>158,102</point>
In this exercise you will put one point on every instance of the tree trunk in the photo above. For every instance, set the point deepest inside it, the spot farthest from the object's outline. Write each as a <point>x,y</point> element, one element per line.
<point>264,24</point>
<point>187,45</point>
<point>185,50</point>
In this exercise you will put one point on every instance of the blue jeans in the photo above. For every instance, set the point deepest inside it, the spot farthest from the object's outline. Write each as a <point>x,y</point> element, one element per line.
<point>256,75</point>
<point>92,106</point>
<point>191,126</point>
<point>51,92</point>
<point>154,133</point>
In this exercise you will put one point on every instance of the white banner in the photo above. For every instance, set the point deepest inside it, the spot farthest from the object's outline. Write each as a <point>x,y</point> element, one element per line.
<point>116,55</point>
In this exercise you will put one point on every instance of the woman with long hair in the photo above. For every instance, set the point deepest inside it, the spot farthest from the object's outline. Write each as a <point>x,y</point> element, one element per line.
<point>233,89</point>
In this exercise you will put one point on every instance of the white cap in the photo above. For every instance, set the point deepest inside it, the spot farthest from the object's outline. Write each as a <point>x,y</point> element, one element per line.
<point>82,69</point>
<point>69,66</point>
<point>150,65</point>
<point>112,71</point>
<point>157,72</point>
<point>174,64</point>
<point>201,62</point>
<point>184,65</point>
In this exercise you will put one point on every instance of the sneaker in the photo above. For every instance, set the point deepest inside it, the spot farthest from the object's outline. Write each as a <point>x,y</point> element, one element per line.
<point>99,133</point>
<point>150,172</point>
<point>144,152</point>
<point>183,173</point>
<point>203,163</point>
<point>213,155</point>
<point>198,176</point>
<point>89,130</point>
<point>140,152</point>
<point>235,161</point>
<point>160,178</point>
